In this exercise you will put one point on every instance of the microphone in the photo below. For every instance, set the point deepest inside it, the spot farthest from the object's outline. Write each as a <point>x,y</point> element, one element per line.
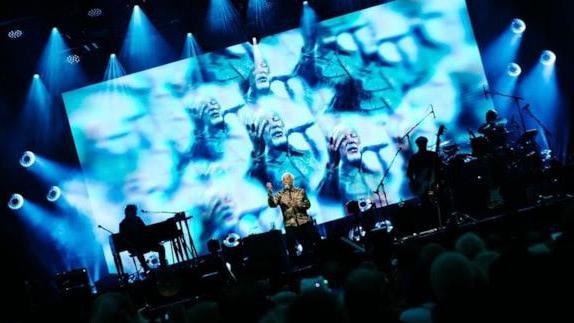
<point>301,129</point>
<point>432,112</point>
<point>108,231</point>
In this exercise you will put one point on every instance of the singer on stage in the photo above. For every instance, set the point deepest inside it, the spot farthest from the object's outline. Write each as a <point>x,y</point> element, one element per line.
<point>294,204</point>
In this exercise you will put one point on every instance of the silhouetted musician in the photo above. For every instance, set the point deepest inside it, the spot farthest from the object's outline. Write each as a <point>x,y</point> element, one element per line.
<point>494,130</point>
<point>424,169</point>
<point>133,231</point>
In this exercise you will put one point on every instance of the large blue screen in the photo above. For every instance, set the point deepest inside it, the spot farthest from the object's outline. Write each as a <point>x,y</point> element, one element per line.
<point>203,135</point>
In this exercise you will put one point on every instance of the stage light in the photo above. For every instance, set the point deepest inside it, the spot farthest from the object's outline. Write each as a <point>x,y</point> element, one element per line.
<point>504,49</point>
<point>384,225</point>
<point>513,70</point>
<point>73,59</point>
<point>254,40</point>
<point>16,201</point>
<point>54,30</point>
<point>28,158</point>
<point>15,34</point>
<point>305,3</point>
<point>232,240</point>
<point>547,58</point>
<point>114,69</point>
<point>95,12</point>
<point>54,194</point>
<point>518,26</point>
<point>36,76</point>
<point>190,49</point>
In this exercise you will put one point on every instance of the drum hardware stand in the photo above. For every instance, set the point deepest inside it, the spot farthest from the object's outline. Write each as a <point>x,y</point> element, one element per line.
<point>461,218</point>
<point>515,98</point>
<point>547,132</point>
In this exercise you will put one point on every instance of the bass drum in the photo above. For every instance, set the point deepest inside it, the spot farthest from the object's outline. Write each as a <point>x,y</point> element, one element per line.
<point>469,179</point>
<point>480,146</point>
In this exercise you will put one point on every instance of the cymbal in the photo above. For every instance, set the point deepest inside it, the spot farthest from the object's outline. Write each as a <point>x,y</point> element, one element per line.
<point>501,122</point>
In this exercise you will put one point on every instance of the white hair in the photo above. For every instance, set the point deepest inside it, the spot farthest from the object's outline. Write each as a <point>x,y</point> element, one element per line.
<point>287,174</point>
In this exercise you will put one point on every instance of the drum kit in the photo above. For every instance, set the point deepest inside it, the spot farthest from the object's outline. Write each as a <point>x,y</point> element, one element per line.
<point>488,168</point>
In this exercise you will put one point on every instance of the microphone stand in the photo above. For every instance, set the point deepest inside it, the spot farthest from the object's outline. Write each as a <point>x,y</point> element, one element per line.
<point>406,135</point>
<point>160,212</point>
<point>547,132</point>
<point>514,98</point>
<point>382,182</point>
<point>416,125</point>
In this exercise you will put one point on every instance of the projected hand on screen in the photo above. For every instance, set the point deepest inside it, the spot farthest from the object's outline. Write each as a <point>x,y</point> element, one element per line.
<point>220,209</point>
<point>206,112</point>
<point>217,215</point>
<point>334,145</point>
<point>347,177</point>
<point>196,113</point>
<point>256,132</point>
<point>273,155</point>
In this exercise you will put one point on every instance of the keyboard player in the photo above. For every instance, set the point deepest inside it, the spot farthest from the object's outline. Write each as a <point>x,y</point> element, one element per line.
<point>132,230</point>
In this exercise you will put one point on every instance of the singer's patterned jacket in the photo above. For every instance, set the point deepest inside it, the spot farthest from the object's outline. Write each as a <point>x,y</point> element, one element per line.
<point>294,204</point>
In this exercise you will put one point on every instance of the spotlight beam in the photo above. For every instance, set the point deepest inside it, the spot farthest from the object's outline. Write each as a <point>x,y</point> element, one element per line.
<point>143,46</point>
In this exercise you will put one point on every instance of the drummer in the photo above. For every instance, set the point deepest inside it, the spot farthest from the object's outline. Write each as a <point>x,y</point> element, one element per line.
<point>494,130</point>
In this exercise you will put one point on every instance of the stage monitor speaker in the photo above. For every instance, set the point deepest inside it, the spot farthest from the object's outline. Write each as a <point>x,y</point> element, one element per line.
<point>266,253</point>
<point>72,280</point>
<point>109,283</point>
<point>380,246</point>
<point>76,292</point>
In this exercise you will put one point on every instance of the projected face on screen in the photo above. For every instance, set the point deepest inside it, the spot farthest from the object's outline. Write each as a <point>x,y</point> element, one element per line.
<point>340,94</point>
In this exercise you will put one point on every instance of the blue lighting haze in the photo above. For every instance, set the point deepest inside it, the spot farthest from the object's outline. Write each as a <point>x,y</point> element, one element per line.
<point>190,47</point>
<point>58,75</point>
<point>540,88</point>
<point>502,51</point>
<point>114,69</point>
<point>38,113</point>
<point>143,45</point>
<point>222,18</point>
